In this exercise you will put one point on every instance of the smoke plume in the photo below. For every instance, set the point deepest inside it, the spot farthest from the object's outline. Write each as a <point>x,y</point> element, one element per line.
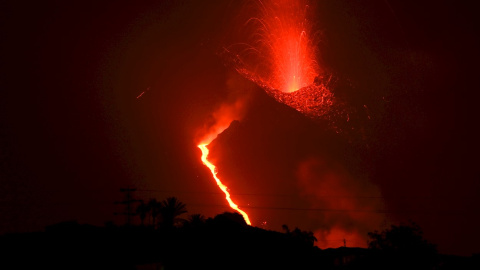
<point>346,207</point>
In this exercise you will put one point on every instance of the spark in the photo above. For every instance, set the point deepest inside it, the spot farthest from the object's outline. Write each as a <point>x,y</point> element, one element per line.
<point>281,58</point>
<point>143,92</point>
<point>284,43</point>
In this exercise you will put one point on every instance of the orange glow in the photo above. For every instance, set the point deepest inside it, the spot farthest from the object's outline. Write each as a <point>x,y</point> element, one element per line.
<point>337,237</point>
<point>287,36</point>
<point>279,53</point>
<point>224,188</point>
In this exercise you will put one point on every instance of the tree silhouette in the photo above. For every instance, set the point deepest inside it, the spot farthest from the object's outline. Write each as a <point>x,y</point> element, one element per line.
<point>304,236</point>
<point>402,237</point>
<point>195,220</point>
<point>170,209</point>
<point>403,247</point>
<point>142,211</point>
<point>154,207</point>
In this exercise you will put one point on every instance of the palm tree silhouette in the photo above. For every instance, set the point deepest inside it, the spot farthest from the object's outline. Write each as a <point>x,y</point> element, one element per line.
<point>154,207</point>
<point>170,209</point>
<point>142,211</point>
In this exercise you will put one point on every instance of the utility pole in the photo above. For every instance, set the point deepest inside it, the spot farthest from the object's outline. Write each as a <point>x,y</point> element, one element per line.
<point>128,201</point>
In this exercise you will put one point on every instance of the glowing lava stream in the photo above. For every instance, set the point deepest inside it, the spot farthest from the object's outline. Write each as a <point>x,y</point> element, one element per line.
<point>224,188</point>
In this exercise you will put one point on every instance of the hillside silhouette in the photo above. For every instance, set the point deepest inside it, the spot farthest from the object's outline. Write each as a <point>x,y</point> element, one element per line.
<point>172,241</point>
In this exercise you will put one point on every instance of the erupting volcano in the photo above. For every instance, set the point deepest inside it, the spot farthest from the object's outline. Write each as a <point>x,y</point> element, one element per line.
<point>281,57</point>
<point>285,39</point>
<point>282,60</point>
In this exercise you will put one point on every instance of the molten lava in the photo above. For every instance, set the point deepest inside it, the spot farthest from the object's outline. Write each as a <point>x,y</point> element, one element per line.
<point>280,55</point>
<point>281,51</point>
<point>285,36</point>
<point>224,188</point>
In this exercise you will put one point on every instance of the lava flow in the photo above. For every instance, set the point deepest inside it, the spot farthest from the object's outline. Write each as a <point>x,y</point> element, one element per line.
<point>224,188</point>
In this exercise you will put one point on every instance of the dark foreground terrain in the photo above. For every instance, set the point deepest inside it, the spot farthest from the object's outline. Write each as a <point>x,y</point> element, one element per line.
<point>223,242</point>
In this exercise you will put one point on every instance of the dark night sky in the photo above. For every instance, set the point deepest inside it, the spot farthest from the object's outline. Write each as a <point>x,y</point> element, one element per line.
<point>72,131</point>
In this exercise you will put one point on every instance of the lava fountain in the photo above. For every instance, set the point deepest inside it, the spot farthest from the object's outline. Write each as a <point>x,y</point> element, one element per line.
<point>279,51</point>
<point>284,37</point>
<point>280,55</point>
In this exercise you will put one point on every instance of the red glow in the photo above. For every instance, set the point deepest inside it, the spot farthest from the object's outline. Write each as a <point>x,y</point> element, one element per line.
<point>281,57</point>
<point>286,35</point>
<point>283,42</point>
<point>224,188</point>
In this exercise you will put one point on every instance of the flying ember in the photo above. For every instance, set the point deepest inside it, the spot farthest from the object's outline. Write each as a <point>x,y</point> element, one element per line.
<point>282,43</point>
<point>285,37</point>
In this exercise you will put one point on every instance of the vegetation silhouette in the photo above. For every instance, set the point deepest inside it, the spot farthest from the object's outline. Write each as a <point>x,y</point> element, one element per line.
<point>402,247</point>
<point>401,238</point>
<point>195,221</point>
<point>170,210</point>
<point>142,211</point>
<point>221,242</point>
<point>154,210</point>
<point>305,237</point>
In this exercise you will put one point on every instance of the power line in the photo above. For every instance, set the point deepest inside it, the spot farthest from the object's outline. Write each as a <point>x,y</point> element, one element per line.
<point>64,204</point>
<point>373,211</point>
<point>310,195</point>
<point>419,197</point>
